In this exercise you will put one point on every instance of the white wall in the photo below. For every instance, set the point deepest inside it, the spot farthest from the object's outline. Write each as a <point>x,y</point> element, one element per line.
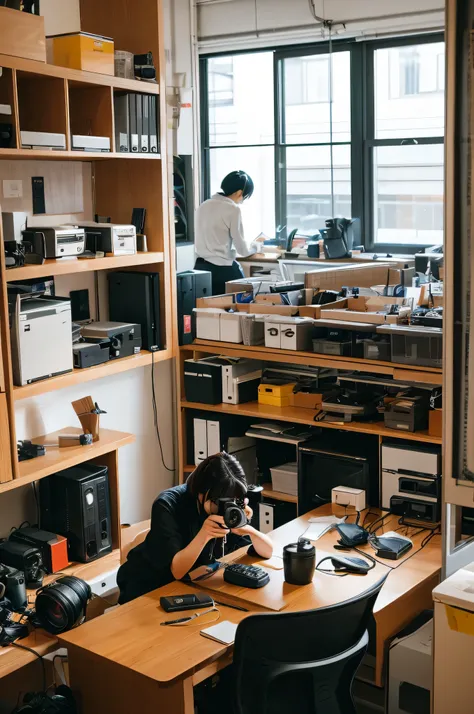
<point>232,23</point>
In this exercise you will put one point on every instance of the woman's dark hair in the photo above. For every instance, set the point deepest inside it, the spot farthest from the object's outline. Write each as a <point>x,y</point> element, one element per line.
<point>237,181</point>
<point>218,476</point>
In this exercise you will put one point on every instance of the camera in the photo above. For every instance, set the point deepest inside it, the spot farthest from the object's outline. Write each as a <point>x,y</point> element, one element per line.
<point>26,559</point>
<point>13,587</point>
<point>233,512</point>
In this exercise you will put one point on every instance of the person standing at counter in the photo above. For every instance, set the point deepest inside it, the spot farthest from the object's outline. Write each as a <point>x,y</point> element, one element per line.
<point>220,233</point>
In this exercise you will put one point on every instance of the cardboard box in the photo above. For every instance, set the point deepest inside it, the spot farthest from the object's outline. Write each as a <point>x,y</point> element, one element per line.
<point>82,50</point>
<point>435,426</point>
<point>369,310</point>
<point>316,311</point>
<point>335,278</point>
<point>22,35</point>
<point>306,400</point>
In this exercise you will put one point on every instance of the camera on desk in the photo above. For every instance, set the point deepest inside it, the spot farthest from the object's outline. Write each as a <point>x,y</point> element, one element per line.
<point>232,510</point>
<point>13,588</point>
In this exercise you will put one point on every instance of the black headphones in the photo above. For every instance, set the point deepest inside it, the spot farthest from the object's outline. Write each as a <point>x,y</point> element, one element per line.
<point>60,605</point>
<point>60,702</point>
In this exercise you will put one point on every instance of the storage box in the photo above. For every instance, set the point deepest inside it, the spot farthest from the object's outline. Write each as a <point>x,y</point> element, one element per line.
<point>335,278</point>
<point>377,349</point>
<point>316,311</point>
<point>203,380</point>
<point>230,327</point>
<point>81,50</point>
<point>330,346</point>
<point>208,326</point>
<point>307,400</point>
<point>285,478</point>
<point>415,345</point>
<point>276,395</point>
<point>407,414</point>
<point>288,334</point>
<point>435,425</point>
<point>370,310</point>
<point>253,329</point>
<point>22,35</point>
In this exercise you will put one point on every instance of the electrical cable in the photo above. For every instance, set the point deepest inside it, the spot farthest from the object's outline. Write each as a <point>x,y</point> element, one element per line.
<point>312,10</point>
<point>155,412</point>
<point>330,572</point>
<point>36,654</point>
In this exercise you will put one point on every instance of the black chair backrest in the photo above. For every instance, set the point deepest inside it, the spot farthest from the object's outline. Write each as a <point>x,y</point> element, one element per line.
<point>265,640</point>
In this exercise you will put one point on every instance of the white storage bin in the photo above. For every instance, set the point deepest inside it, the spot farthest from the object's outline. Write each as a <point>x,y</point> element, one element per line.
<point>208,323</point>
<point>231,327</point>
<point>285,478</point>
<point>288,333</point>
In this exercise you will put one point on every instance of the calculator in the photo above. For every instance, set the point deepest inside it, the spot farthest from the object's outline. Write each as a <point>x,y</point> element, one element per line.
<point>247,576</point>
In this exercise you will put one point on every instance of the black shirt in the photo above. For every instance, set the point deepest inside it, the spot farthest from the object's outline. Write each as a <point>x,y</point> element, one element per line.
<point>175,521</point>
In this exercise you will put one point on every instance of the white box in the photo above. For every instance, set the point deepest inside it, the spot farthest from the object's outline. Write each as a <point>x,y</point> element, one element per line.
<point>347,496</point>
<point>411,459</point>
<point>81,142</point>
<point>200,440</point>
<point>43,139</point>
<point>410,662</point>
<point>208,323</point>
<point>285,478</point>
<point>230,327</point>
<point>288,333</point>
<point>213,437</point>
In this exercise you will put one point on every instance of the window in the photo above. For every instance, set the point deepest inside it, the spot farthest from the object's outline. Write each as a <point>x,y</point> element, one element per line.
<point>297,121</point>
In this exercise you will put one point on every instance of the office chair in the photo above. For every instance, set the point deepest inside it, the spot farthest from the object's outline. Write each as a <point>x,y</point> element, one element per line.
<point>302,662</point>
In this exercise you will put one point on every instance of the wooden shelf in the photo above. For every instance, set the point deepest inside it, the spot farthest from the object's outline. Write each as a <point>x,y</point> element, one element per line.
<point>268,492</point>
<point>45,155</point>
<point>188,469</point>
<point>401,372</point>
<point>298,415</point>
<point>57,459</point>
<point>80,376</point>
<point>76,75</point>
<point>67,266</point>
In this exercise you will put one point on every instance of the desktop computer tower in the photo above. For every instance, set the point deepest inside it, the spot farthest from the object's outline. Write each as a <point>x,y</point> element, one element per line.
<point>135,298</point>
<point>191,285</point>
<point>75,503</point>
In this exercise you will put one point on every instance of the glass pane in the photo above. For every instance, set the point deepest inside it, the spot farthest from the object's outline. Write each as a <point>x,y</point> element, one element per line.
<point>409,91</point>
<point>307,98</point>
<point>240,96</point>
<point>408,194</point>
<point>258,211</point>
<point>308,186</point>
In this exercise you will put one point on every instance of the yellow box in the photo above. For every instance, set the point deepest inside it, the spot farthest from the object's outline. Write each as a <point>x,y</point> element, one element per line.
<point>81,50</point>
<point>275,395</point>
<point>460,620</point>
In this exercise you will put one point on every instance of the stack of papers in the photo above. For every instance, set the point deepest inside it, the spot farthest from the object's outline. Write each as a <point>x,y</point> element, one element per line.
<point>321,525</point>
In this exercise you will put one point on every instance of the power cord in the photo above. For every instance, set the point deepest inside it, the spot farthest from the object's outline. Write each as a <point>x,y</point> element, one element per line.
<point>155,412</point>
<point>33,652</point>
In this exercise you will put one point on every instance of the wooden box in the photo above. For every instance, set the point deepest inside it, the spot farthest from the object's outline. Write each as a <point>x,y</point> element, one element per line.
<point>306,400</point>
<point>435,425</point>
<point>22,35</point>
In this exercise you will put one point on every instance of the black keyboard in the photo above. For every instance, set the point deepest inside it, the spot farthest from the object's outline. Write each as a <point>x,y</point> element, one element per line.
<point>247,576</point>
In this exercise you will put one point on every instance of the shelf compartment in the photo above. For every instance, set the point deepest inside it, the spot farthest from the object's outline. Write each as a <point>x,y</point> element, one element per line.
<point>91,111</point>
<point>66,266</point>
<point>268,492</point>
<point>60,459</point>
<point>299,415</point>
<point>77,75</point>
<point>7,96</point>
<point>426,375</point>
<point>42,105</point>
<point>82,376</point>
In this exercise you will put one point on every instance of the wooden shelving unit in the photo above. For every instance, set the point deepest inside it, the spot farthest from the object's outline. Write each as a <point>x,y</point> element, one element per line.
<point>268,492</point>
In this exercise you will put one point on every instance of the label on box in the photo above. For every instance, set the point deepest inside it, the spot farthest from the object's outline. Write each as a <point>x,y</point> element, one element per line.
<point>187,324</point>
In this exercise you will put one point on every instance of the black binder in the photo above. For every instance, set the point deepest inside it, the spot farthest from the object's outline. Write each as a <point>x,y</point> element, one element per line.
<point>144,139</point>
<point>133,122</point>
<point>154,132</point>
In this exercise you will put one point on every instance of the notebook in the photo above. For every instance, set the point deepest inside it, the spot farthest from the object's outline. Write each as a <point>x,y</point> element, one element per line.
<point>223,632</point>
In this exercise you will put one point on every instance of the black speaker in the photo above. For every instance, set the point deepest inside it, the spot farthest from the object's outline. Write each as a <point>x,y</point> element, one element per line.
<point>191,285</point>
<point>135,298</point>
<point>75,503</point>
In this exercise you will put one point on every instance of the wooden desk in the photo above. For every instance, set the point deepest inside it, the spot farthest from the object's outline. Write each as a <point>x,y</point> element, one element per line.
<point>126,661</point>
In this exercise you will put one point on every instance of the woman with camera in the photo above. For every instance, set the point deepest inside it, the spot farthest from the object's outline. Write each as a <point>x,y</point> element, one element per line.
<point>187,530</point>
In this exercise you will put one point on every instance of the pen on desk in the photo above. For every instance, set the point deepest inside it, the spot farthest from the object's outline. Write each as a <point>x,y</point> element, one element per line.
<point>234,607</point>
<point>175,622</point>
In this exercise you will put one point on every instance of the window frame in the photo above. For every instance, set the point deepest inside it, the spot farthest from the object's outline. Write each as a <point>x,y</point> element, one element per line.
<point>362,142</point>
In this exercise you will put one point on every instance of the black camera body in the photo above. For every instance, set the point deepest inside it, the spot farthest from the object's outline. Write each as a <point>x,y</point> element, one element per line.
<point>26,559</point>
<point>232,510</point>
<point>13,587</point>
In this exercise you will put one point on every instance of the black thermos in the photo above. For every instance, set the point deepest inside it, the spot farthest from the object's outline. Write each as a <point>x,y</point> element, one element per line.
<point>299,562</point>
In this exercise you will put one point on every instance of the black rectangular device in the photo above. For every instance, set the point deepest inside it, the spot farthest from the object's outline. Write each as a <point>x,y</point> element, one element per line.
<point>76,503</point>
<point>192,601</point>
<point>415,510</point>
<point>135,297</point>
<point>323,467</point>
<point>203,380</point>
<point>191,285</point>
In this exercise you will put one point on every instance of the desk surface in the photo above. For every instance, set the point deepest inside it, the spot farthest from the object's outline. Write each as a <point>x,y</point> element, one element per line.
<point>131,636</point>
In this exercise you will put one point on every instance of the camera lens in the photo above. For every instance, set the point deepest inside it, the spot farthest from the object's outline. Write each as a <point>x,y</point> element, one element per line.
<point>234,517</point>
<point>54,614</point>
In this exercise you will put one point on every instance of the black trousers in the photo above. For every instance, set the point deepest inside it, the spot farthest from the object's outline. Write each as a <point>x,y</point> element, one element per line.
<point>221,274</point>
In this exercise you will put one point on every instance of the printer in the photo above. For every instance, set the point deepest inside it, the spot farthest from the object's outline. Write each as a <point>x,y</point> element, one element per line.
<point>124,338</point>
<point>41,337</point>
<point>115,238</point>
<point>56,242</point>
